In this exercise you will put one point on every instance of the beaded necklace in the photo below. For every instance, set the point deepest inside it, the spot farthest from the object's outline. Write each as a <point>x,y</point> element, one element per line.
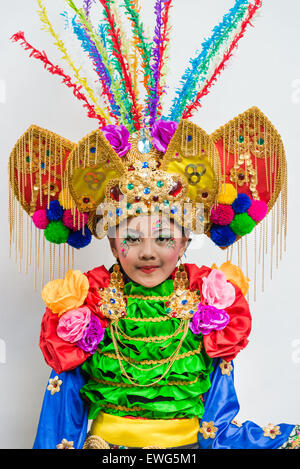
<point>181,304</point>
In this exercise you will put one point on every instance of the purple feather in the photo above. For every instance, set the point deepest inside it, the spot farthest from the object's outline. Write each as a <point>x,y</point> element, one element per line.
<point>154,98</point>
<point>87,4</point>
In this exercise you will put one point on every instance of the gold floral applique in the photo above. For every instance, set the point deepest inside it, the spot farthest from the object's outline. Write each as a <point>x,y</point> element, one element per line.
<point>226,367</point>
<point>65,444</point>
<point>271,430</point>
<point>54,385</point>
<point>208,430</point>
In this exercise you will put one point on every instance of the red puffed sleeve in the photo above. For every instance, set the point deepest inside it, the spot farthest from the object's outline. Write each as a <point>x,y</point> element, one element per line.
<point>227,342</point>
<point>59,354</point>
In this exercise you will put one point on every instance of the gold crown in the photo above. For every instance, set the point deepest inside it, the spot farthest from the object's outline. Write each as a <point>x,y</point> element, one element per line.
<point>184,182</point>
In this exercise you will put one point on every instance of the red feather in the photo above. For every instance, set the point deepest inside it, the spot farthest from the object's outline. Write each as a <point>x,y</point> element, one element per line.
<point>56,70</point>
<point>117,44</point>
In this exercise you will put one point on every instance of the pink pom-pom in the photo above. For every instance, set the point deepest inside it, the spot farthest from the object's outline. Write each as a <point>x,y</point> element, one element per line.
<point>222,214</point>
<point>40,219</point>
<point>74,222</point>
<point>258,210</point>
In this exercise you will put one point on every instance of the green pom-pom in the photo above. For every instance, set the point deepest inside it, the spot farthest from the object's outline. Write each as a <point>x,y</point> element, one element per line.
<point>242,224</point>
<point>56,232</point>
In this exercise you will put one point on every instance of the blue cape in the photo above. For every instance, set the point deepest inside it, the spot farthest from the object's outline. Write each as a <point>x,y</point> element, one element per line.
<point>64,415</point>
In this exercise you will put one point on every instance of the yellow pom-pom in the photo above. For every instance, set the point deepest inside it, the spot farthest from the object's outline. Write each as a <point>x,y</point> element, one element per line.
<point>65,199</point>
<point>227,194</point>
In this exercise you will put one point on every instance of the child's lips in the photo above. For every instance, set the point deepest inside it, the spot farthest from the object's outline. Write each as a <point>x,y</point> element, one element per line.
<point>148,269</point>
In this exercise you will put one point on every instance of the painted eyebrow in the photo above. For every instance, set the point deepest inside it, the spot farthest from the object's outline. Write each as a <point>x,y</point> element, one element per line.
<point>129,232</point>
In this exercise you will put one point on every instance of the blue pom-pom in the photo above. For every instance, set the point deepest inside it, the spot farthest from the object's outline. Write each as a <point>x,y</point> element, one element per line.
<point>241,204</point>
<point>222,236</point>
<point>55,211</point>
<point>79,240</point>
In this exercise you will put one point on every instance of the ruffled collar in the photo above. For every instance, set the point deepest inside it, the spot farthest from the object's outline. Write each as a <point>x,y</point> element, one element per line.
<point>163,289</point>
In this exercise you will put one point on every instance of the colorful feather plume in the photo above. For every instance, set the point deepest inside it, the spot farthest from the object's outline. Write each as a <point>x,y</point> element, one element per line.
<point>87,4</point>
<point>140,41</point>
<point>117,89</point>
<point>115,37</point>
<point>65,56</point>
<point>121,62</point>
<point>252,9</point>
<point>200,64</point>
<point>157,61</point>
<point>90,48</point>
<point>56,70</point>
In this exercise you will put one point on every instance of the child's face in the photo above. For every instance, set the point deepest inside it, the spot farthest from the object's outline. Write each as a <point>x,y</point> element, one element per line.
<point>148,248</point>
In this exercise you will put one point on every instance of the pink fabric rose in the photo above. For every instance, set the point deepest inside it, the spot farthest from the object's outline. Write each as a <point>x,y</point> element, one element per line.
<point>71,325</point>
<point>118,137</point>
<point>217,291</point>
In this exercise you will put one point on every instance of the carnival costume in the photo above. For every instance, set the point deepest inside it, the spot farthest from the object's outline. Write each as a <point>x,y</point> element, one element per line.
<point>152,367</point>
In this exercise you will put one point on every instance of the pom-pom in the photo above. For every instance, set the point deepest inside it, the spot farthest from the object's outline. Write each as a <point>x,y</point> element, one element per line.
<point>55,211</point>
<point>241,203</point>
<point>222,236</point>
<point>227,194</point>
<point>79,240</point>
<point>40,219</point>
<point>222,215</point>
<point>56,232</point>
<point>65,199</point>
<point>75,222</point>
<point>242,224</point>
<point>258,210</point>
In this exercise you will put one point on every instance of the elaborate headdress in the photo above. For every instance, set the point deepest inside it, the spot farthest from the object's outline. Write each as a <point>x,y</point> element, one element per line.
<point>141,160</point>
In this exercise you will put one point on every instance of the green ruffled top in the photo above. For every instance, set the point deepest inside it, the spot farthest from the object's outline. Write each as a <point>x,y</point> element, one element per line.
<point>177,394</point>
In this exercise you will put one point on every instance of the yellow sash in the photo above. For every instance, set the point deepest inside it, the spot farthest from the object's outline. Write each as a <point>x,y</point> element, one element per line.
<point>139,433</point>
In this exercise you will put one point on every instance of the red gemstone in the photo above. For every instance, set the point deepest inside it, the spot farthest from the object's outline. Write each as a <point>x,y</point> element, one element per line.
<point>208,430</point>
<point>86,200</point>
<point>241,176</point>
<point>204,195</point>
<point>167,303</point>
<point>173,315</point>
<point>137,199</point>
<point>155,198</point>
<point>176,189</point>
<point>115,193</point>
<point>131,168</point>
<point>225,366</point>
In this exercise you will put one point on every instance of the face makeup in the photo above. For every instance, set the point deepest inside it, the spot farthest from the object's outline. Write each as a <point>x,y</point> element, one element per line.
<point>148,248</point>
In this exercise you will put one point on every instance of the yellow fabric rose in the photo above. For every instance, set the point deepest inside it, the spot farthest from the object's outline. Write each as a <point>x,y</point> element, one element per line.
<point>235,275</point>
<point>61,295</point>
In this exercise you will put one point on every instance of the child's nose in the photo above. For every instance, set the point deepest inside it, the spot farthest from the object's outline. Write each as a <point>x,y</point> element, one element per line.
<point>146,249</point>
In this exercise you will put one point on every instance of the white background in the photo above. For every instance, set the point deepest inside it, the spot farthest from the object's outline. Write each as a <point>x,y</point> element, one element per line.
<point>265,72</point>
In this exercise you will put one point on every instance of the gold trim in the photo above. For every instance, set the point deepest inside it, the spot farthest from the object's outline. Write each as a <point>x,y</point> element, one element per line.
<point>127,385</point>
<point>153,362</point>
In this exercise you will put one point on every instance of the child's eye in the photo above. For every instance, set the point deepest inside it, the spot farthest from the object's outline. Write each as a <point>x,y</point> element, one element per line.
<point>163,238</point>
<point>131,239</point>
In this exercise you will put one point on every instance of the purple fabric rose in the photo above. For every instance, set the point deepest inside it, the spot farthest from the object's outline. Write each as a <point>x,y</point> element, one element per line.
<point>118,137</point>
<point>208,318</point>
<point>92,335</point>
<point>162,133</point>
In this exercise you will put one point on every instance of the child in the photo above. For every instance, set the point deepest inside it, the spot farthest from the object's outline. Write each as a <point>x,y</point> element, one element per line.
<point>145,350</point>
